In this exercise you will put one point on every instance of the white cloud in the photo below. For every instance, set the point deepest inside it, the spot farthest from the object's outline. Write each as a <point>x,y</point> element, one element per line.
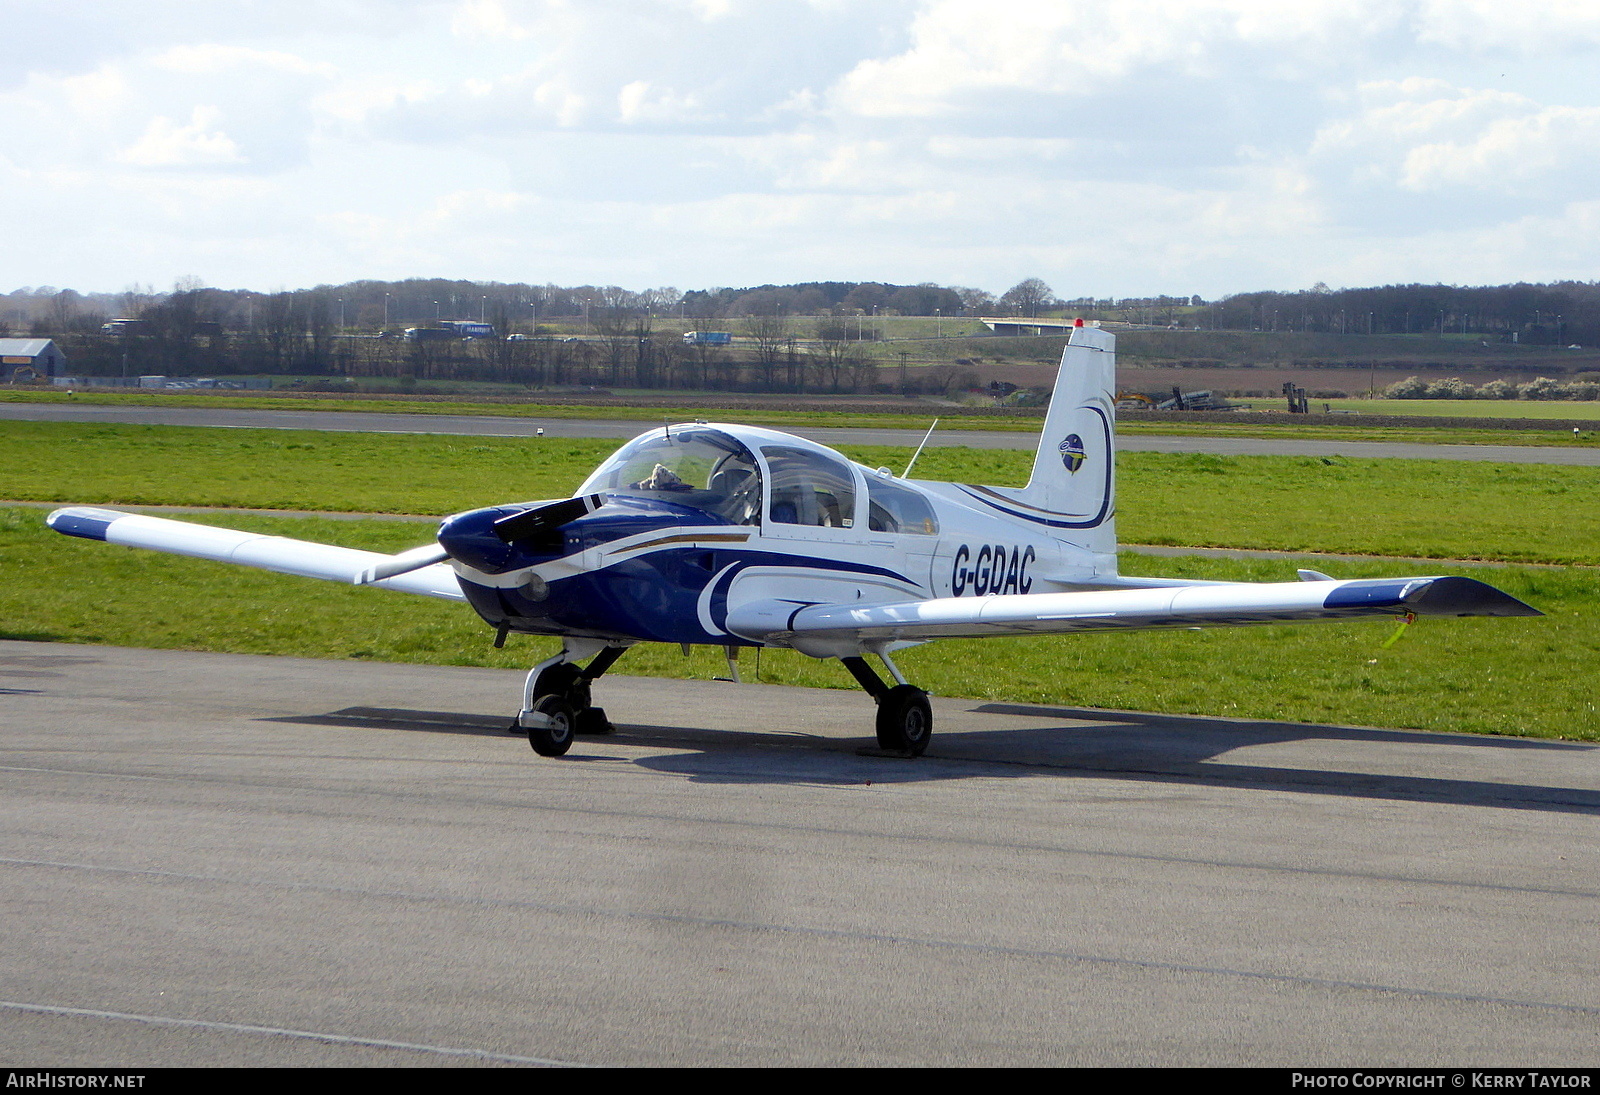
<point>1110,146</point>
<point>1426,137</point>
<point>198,144</point>
<point>477,19</point>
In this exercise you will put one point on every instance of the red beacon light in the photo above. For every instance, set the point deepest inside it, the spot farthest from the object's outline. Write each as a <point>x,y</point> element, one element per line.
<point>1078,322</point>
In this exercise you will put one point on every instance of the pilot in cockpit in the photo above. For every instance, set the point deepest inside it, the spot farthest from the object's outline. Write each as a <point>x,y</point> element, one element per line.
<point>662,478</point>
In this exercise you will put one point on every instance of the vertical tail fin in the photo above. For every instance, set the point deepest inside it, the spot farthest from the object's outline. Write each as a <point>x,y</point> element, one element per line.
<point>1074,477</point>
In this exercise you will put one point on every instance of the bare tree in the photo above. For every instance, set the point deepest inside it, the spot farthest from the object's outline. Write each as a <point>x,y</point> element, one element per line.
<point>1029,297</point>
<point>770,333</point>
<point>837,351</point>
<point>975,302</point>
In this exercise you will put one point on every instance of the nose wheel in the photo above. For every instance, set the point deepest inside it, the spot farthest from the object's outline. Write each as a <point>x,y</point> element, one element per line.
<point>552,727</point>
<point>556,703</point>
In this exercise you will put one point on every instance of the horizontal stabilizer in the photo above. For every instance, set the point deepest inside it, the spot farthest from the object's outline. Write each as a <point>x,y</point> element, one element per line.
<point>275,553</point>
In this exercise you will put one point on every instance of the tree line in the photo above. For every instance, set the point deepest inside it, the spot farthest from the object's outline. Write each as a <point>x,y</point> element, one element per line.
<point>371,306</point>
<point>1555,314</point>
<point>798,337</point>
<point>622,348</point>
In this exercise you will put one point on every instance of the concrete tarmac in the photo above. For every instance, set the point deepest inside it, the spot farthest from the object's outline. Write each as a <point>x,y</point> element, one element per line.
<point>231,860</point>
<point>488,426</point>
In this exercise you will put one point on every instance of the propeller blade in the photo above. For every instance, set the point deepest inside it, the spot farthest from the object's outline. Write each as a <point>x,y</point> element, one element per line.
<point>403,563</point>
<point>532,522</point>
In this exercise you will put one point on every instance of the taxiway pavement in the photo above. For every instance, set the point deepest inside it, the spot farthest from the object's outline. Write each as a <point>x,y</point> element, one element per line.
<point>224,860</point>
<point>488,426</point>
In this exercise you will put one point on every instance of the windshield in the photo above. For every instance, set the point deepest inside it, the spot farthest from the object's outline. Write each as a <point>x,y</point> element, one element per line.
<point>693,466</point>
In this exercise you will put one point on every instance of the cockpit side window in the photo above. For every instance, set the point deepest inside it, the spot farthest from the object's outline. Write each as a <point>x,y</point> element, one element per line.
<point>894,508</point>
<point>809,488</point>
<point>703,468</point>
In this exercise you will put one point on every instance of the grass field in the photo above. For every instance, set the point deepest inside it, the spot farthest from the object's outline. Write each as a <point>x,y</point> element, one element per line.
<point>1503,676</point>
<point>1493,676</point>
<point>1433,508</point>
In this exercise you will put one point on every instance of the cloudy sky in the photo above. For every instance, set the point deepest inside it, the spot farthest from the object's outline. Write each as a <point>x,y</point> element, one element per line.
<point>1111,147</point>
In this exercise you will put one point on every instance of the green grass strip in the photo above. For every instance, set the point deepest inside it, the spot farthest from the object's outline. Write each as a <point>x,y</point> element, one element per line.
<point>1432,508</point>
<point>1516,676</point>
<point>917,416</point>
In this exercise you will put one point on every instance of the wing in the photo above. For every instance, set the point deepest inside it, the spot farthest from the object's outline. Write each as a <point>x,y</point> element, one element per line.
<point>298,557</point>
<point>824,629</point>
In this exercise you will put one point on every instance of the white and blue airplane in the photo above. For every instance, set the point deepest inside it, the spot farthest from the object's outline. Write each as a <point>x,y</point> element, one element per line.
<point>736,536</point>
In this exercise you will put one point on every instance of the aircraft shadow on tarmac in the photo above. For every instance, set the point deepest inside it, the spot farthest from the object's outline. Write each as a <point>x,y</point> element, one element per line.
<point>1149,748</point>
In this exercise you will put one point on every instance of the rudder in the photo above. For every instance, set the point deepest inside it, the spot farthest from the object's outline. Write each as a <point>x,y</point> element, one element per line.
<point>1074,473</point>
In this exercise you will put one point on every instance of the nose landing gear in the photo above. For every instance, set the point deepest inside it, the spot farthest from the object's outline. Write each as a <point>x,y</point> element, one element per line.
<point>556,702</point>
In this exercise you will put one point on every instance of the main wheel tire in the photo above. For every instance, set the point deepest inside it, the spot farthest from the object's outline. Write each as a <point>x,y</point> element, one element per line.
<point>905,721</point>
<point>554,738</point>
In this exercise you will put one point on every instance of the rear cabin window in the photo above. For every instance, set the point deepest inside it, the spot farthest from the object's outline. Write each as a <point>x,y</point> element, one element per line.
<point>893,508</point>
<point>809,488</point>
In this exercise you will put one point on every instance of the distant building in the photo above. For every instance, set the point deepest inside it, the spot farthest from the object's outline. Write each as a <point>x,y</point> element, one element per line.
<point>39,354</point>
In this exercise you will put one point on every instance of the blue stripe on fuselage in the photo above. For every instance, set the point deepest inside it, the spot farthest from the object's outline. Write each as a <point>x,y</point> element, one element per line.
<point>652,597</point>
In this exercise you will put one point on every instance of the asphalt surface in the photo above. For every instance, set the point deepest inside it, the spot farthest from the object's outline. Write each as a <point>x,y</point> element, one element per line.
<point>231,860</point>
<point>471,425</point>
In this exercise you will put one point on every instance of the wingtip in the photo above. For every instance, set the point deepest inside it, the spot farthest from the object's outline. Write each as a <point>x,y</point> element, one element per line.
<point>1456,596</point>
<point>85,522</point>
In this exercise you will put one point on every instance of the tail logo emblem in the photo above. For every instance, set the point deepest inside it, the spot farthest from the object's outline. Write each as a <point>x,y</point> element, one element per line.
<point>1072,454</point>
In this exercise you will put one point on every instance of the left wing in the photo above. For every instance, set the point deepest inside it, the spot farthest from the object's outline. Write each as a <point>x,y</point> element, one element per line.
<point>279,553</point>
<point>825,628</point>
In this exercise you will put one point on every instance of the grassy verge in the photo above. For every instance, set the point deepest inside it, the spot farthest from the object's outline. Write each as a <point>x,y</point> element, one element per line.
<point>917,416</point>
<point>1468,408</point>
<point>1411,435</point>
<point>1434,508</point>
<point>1494,676</point>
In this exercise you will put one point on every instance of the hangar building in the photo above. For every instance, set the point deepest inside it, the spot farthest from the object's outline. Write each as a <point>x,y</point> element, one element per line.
<point>39,354</point>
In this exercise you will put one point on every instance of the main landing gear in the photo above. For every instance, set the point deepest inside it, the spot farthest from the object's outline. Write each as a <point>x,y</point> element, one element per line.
<point>556,704</point>
<point>905,721</point>
<point>555,700</point>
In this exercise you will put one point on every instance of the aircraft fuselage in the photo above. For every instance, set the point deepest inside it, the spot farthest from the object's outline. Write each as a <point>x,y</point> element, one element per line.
<point>814,529</point>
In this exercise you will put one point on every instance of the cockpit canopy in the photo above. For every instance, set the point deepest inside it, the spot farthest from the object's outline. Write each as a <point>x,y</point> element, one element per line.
<point>714,471</point>
<point>690,466</point>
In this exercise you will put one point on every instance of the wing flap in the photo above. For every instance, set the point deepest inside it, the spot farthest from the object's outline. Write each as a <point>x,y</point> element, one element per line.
<point>827,626</point>
<point>301,558</point>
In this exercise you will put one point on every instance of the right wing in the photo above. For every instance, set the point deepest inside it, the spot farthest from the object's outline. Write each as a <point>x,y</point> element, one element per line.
<point>298,557</point>
<point>824,630</point>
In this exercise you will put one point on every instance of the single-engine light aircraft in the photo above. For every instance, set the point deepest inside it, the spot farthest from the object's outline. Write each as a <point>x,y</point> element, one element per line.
<point>736,536</point>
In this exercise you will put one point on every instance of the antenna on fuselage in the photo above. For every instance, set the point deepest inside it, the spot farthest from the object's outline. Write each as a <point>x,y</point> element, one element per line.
<point>920,447</point>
